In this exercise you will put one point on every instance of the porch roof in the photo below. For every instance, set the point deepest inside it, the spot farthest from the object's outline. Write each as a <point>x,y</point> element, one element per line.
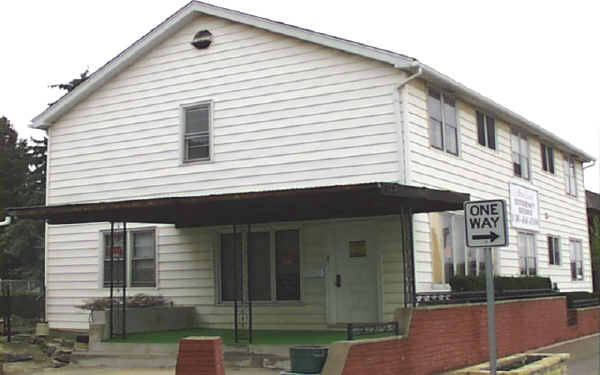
<point>356,200</point>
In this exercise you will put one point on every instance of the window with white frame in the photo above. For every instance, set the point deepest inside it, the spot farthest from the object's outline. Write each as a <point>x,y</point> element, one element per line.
<point>448,239</point>
<point>571,176</point>
<point>486,130</point>
<point>576,260</point>
<point>547,158</point>
<point>553,250</point>
<point>141,258</point>
<point>527,254</point>
<point>272,259</point>
<point>196,132</point>
<point>520,154</point>
<point>443,128</point>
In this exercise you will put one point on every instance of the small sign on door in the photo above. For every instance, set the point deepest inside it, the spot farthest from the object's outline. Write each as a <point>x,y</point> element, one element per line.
<point>357,249</point>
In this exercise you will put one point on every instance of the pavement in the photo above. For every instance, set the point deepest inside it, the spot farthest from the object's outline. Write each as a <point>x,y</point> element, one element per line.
<point>585,354</point>
<point>585,360</point>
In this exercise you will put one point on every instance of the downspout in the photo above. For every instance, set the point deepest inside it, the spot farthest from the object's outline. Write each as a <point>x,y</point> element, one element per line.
<point>7,221</point>
<point>589,166</point>
<point>401,97</point>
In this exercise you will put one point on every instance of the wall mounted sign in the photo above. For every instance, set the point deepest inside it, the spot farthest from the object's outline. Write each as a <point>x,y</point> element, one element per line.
<point>357,249</point>
<point>524,208</point>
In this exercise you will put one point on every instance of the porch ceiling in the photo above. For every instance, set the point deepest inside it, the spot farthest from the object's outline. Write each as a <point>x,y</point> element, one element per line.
<point>357,200</point>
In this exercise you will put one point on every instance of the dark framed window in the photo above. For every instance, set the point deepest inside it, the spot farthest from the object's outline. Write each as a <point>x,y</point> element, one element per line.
<point>443,127</point>
<point>272,260</point>
<point>141,258</point>
<point>117,259</point>
<point>576,260</point>
<point>196,134</point>
<point>527,254</point>
<point>486,130</point>
<point>571,176</point>
<point>553,250</point>
<point>520,155</point>
<point>547,158</point>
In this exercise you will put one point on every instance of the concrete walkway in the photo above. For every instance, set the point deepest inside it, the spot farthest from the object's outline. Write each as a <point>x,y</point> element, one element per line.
<point>141,371</point>
<point>585,354</point>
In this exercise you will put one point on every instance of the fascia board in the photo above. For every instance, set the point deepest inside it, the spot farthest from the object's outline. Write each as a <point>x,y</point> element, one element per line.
<point>501,112</point>
<point>175,23</point>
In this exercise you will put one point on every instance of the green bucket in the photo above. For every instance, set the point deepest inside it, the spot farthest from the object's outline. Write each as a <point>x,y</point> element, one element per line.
<point>308,359</point>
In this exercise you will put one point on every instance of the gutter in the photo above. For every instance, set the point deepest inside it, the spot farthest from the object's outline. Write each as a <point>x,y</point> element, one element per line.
<point>512,118</point>
<point>6,222</point>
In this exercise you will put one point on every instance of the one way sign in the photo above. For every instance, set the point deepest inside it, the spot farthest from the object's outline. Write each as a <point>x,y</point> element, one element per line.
<point>486,223</point>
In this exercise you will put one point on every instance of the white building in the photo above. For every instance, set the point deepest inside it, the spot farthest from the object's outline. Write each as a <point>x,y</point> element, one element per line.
<point>323,145</point>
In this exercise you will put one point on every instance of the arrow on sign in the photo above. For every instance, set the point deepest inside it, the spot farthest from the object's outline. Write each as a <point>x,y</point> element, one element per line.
<point>492,236</point>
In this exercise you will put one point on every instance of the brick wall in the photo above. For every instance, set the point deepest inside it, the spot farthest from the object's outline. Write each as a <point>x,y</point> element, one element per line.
<point>442,339</point>
<point>200,355</point>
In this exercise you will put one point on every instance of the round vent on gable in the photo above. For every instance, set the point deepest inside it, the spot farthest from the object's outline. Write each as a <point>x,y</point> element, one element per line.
<point>202,39</point>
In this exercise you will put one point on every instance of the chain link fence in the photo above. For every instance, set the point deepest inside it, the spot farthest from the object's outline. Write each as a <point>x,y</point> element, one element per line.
<point>22,304</point>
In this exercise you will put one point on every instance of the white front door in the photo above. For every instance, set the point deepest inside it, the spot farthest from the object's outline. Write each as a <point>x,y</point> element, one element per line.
<point>355,275</point>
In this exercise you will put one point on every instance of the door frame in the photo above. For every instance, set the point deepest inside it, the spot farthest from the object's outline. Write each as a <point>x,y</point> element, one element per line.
<point>331,290</point>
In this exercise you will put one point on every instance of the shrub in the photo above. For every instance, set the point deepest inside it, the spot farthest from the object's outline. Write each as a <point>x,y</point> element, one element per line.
<point>476,283</point>
<point>138,300</point>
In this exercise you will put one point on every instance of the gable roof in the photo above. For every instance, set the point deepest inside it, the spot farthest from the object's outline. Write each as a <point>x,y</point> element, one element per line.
<point>175,22</point>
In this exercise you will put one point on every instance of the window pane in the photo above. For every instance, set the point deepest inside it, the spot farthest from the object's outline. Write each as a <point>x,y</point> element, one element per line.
<point>435,133</point>
<point>544,158</point>
<point>196,120</point>
<point>480,129</point>
<point>143,245</point>
<point>550,159</point>
<point>524,166</point>
<point>451,140</point>
<point>143,272</point>
<point>231,248</point>
<point>197,148</point>
<point>491,132</point>
<point>117,245</point>
<point>287,264</point>
<point>117,273</point>
<point>259,266</point>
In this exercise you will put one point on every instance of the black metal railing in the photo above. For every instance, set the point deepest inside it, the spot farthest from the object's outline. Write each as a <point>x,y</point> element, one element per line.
<point>367,329</point>
<point>581,303</point>
<point>441,298</point>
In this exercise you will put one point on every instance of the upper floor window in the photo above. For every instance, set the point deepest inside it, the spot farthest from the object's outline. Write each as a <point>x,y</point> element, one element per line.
<point>576,260</point>
<point>520,154</point>
<point>443,128</point>
<point>527,254</point>
<point>553,250</point>
<point>139,261</point>
<point>547,158</point>
<point>196,132</point>
<point>570,176</point>
<point>486,130</point>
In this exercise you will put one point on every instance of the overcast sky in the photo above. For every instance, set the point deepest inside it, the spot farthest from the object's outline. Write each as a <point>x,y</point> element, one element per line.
<point>538,58</point>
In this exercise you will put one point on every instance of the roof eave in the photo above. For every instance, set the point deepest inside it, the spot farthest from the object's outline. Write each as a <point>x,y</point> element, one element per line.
<point>175,23</point>
<point>503,113</point>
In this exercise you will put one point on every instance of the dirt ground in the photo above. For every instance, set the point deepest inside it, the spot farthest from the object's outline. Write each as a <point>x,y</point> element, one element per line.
<point>39,362</point>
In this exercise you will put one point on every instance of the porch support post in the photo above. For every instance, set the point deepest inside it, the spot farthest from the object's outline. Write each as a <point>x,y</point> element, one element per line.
<point>112,244</point>
<point>235,301</point>
<point>124,278</point>
<point>249,287</point>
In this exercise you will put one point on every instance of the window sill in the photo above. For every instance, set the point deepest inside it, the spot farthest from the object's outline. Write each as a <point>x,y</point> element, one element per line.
<point>457,155</point>
<point>185,163</point>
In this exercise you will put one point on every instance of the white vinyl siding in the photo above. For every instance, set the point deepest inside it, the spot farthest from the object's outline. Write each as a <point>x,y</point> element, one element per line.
<point>285,114</point>
<point>485,174</point>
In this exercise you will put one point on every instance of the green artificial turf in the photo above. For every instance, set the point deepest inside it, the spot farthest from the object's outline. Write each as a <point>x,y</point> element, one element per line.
<point>259,337</point>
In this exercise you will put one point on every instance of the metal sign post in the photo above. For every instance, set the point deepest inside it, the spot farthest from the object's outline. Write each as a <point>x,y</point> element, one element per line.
<point>486,226</point>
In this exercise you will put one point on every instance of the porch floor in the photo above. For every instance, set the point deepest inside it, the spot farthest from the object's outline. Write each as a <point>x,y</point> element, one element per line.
<point>259,337</point>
